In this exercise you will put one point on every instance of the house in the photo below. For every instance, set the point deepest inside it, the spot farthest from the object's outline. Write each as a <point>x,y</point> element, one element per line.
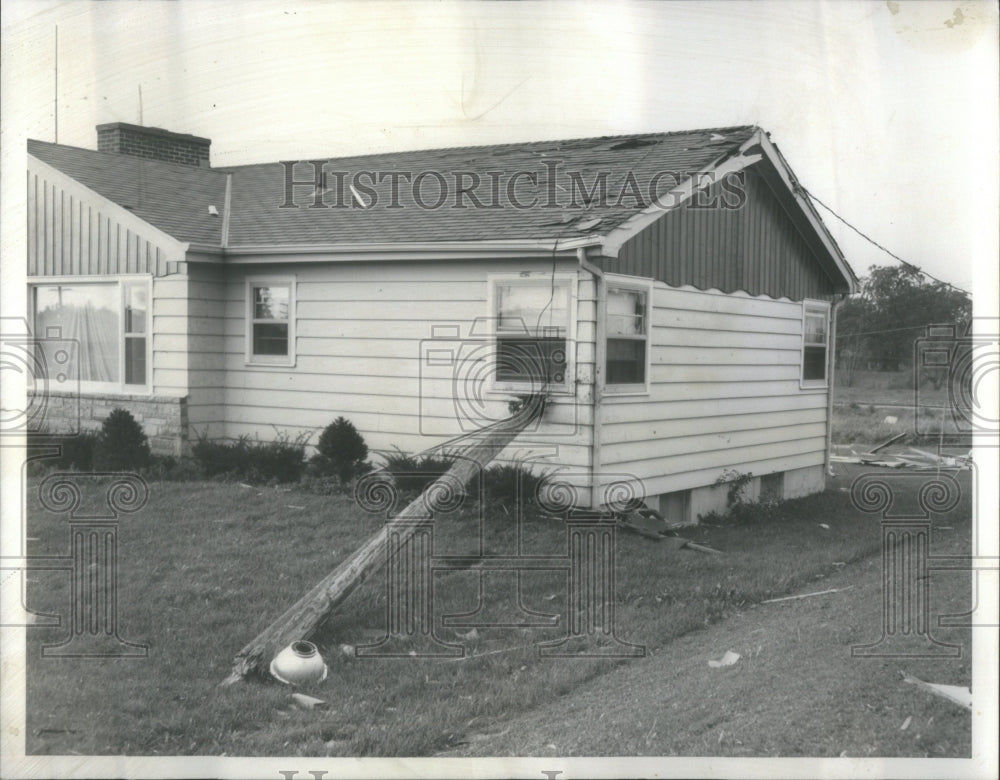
<point>672,293</point>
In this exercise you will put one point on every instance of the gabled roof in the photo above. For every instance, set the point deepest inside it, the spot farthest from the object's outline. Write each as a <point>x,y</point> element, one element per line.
<point>544,178</point>
<point>172,197</point>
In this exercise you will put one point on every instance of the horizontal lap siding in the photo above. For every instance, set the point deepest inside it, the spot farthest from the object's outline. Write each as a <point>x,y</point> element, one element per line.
<point>724,394</point>
<point>360,332</point>
<point>169,332</point>
<point>205,344</point>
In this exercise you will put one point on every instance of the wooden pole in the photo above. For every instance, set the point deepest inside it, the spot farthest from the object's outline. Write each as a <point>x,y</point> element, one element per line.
<point>303,617</point>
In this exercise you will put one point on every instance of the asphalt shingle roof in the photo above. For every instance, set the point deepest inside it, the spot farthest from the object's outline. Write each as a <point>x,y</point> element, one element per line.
<point>170,196</point>
<point>175,198</point>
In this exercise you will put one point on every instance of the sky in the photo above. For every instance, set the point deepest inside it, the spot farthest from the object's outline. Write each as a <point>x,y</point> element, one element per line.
<point>886,111</point>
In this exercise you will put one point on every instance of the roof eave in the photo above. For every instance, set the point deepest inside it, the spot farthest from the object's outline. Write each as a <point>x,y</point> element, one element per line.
<point>409,250</point>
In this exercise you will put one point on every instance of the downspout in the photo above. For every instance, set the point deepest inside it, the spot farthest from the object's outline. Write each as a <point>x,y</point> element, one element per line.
<point>598,385</point>
<point>831,365</point>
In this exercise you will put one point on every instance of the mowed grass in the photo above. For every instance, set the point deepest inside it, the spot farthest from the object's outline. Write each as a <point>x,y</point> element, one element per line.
<point>877,405</point>
<point>204,567</point>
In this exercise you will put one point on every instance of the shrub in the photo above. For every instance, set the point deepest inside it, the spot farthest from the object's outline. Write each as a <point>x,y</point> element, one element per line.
<point>414,474</point>
<point>121,445</point>
<point>500,486</point>
<point>281,460</point>
<point>75,452</point>
<point>167,468</point>
<point>341,450</point>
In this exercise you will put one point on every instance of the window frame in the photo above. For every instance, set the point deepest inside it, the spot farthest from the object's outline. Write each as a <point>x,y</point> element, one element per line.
<point>251,359</point>
<point>534,279</point>
<point>641,285</point>
<point>120,281</point>
<point>812,307</point>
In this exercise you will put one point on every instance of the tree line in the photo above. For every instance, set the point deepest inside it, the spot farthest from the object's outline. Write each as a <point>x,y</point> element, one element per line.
<point>877,329</point>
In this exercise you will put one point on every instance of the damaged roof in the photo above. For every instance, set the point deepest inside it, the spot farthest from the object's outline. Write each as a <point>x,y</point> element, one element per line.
<point>515,192</point>
<point>526,190</point>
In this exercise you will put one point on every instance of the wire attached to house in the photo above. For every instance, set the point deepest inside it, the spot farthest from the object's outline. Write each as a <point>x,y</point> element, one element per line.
<point>875,243</point>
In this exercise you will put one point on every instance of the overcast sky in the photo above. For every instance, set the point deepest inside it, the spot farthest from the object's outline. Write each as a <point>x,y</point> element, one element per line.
<point>886,111</point>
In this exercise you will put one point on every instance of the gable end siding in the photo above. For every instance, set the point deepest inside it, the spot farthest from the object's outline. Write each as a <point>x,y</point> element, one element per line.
<point>756,248</point>
<point>70,235</point>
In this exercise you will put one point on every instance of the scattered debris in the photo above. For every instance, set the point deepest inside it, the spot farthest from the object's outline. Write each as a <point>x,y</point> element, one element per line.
<point>913,458</point>
<point>807,595</point>
<point>304,702</point>
<point>293,506</point>
<point>347,649</point>
<point>906,723</point>
<point>824,526</point>
<point>956,694</point>
<point>887,442</point>
<point>470,635</point>
<point>728,659</point>
<point>890,420</point>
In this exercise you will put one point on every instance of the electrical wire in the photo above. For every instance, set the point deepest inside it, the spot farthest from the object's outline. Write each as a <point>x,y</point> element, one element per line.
<point>872,241</point>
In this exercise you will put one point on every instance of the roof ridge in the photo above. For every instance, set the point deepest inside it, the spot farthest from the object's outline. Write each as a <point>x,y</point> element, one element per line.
<point>504,145</point>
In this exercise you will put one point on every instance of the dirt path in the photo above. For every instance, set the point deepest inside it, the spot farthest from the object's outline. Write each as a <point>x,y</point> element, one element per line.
<point>796,690</point>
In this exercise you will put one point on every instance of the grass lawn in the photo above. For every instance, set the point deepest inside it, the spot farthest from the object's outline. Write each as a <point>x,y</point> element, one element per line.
<point>863,410</point>
<point>203,567</point>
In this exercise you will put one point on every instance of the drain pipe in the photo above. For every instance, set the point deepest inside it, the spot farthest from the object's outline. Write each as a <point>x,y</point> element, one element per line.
<point>831,365</point>
<point>600,347</point>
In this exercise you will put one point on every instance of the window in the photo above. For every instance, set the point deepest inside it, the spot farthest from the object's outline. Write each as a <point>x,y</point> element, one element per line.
<point>815,333</point>
<point>107,323</point>
<point>270,318</point>
<point>627,331</point>
<point>532,325</point>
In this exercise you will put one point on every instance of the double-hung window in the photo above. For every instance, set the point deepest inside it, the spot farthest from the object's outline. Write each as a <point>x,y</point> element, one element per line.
<point>815,340</point>
<point>627,344</point>
<point>533,318</point>
<point>95,332</point>
<point>270,338</point>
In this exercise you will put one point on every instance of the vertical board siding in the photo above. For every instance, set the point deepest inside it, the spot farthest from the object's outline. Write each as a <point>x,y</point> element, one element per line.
<point>67,236</point>
<point>361,330</point>
<point>724,394</point>
<point>756,248</point>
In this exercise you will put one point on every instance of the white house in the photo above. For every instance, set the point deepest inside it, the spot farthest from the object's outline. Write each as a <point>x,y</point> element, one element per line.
<point>670,292</point>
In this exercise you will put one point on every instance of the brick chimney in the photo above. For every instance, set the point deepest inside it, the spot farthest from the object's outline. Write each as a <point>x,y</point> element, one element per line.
<point>153,143</point>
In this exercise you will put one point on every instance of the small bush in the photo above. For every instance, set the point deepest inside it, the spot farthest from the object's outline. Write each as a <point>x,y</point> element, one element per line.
<point>500,486</point>
<point>341,451</point>
<point>281,460</point>
<point>121,445</point>
<point>75,452</point>
<point>167,468</point>
<point>413,474</point>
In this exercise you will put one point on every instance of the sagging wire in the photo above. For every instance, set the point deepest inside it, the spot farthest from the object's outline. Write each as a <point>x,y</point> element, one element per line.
<point>873,242</point>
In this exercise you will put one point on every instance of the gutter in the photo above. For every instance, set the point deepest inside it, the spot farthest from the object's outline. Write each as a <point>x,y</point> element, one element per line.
<point>403,250</point>
<point>600,348</point>
<point>831,360</point>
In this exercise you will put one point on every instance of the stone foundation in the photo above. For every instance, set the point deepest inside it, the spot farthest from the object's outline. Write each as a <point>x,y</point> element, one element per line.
<point>164,419</point>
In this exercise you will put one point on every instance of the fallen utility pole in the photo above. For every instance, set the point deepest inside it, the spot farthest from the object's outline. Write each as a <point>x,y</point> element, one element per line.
<point>303,617</point>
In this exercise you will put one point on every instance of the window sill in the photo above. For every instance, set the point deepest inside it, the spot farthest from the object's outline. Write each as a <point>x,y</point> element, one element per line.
<point>624,391</point>
<point>259,363</point>
<point>525,388</point>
